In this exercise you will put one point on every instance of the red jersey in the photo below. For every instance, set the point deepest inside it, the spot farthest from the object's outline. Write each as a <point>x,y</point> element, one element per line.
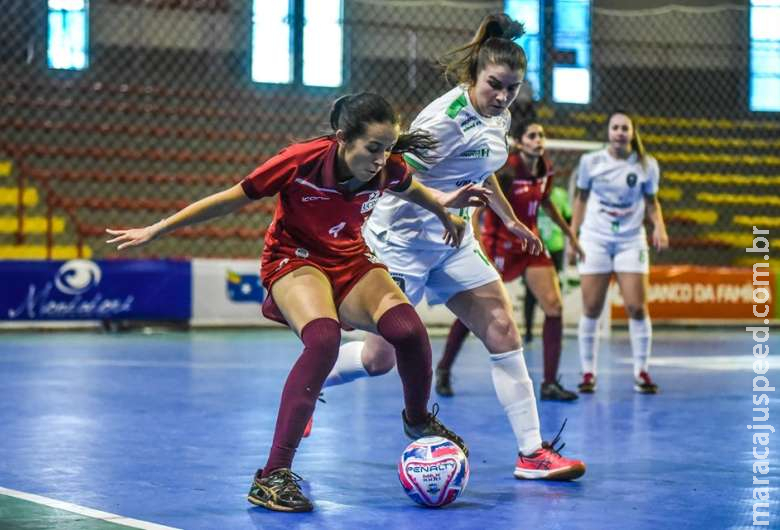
<point>314,212</point>
<point>525,192</point>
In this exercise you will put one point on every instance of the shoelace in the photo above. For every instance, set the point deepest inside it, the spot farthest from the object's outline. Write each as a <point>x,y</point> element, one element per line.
<point>287,482</point>
<point>550,446</point>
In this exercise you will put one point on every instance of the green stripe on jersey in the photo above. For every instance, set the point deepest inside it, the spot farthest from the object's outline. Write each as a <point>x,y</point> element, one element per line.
<point>414,163</point>
<point>456,106</point>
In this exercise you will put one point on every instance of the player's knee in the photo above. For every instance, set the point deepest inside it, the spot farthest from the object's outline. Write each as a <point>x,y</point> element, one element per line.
<point>592,310</point>
<point>553,307</point>
<point>635,311</point>
<point>401,326</point>
<point>322,337</point>
<point>379,362</point>
<point>502,334</point>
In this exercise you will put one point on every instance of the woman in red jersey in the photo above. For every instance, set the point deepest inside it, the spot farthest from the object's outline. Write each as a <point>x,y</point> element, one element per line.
<point>526,180</point>
<point>319,272</point>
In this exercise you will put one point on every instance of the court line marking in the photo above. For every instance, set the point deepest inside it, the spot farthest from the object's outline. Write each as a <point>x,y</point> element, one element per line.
<point>81,510</point>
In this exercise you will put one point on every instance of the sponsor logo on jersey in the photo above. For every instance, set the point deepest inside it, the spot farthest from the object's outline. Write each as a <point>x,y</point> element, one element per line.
<point>371,202</point>
<point>465,182</point>
<point>334,230</point>
<point>470,122</point>
<point>480,152</point>
<point>311,198</point>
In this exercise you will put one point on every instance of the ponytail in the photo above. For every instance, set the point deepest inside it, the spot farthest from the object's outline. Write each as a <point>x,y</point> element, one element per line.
<point>353,112</point>
<point>493,43</point>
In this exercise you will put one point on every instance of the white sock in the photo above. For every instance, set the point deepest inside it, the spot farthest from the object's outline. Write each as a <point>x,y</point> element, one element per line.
<point>349,365</point>
<point>588,338</point>
<point>515,392</point>
<point>641,334</point>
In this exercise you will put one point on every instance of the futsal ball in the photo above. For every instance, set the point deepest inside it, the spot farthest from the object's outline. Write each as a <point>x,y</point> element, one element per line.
<point>433,471</point>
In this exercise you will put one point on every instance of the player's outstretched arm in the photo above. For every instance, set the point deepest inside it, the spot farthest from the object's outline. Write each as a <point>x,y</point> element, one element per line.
<point>215,205</point>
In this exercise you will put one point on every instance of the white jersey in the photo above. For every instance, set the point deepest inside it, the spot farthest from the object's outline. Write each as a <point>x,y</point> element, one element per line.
<point>615,209</point>
<point>471,148</point>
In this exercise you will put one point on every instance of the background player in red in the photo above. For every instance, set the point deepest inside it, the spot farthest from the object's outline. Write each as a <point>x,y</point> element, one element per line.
<point>526,180</point>
<point>319,272</point>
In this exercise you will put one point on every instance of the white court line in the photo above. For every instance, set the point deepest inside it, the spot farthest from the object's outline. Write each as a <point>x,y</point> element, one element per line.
<point>709,363</point>
<point>81,510</point>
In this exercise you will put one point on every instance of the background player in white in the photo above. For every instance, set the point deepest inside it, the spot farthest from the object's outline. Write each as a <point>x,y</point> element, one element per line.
<point>616,189</point>
<point>470,122</point>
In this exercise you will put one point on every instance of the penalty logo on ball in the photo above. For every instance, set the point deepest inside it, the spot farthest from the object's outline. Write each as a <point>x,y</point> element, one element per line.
<point>433,471</point>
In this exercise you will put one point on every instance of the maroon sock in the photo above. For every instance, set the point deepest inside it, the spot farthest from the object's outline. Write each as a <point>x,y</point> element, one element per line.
<point>402,327</point>
<point>321,338</point>
<point>455,340</point>
<point>551,335</point>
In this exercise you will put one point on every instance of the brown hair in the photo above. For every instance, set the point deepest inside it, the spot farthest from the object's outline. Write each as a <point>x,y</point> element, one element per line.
<point>353,112</point>
<point>492,44</point>
<point>636,140</point>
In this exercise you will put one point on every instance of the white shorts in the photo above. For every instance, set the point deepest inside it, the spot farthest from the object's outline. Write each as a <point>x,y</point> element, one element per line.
<point>614,256</point>
<point>437,274</point>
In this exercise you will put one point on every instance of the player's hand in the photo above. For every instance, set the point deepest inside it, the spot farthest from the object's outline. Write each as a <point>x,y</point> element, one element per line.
<point>132,237</point>
<point>576,251</point>
<point>469,195</point>
<point>528,240</point>
<point>660,238</point>
<point>454,229</point>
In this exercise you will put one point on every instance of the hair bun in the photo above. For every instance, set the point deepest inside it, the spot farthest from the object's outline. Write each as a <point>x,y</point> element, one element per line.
<point>503,27</point>
<point>335,110</point>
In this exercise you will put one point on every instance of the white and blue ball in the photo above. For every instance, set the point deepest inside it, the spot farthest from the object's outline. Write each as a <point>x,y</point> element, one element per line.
<point>433,471</point>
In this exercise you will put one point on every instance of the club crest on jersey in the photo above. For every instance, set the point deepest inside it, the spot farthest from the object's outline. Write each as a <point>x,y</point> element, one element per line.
<point>631,179</point>
<point>334,230</point>
<point>302,253</point>
<point>371,202</point>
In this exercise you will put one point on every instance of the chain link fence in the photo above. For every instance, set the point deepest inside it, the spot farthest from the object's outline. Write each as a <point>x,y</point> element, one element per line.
<point>166,112</point>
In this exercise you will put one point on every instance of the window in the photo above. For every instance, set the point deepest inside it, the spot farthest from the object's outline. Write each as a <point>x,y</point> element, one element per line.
<point>322,43</point>
<point>529,13</point>
<point>571,41</point>
<point>271,41</point>
<point>765,55</point>
<point>298,41</point>
<point>67,40</point>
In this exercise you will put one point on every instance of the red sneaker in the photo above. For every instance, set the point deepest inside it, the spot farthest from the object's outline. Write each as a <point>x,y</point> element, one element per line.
<point>548,464</point>
<point>644,385</point>
<point>588,384</point>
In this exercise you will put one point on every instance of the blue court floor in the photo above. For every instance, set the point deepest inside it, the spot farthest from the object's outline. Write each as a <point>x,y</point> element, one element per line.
<point>169,428</point>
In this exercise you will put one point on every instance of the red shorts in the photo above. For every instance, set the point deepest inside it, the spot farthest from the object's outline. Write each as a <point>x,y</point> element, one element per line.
<point>343,273</point>
<point>511,265</point>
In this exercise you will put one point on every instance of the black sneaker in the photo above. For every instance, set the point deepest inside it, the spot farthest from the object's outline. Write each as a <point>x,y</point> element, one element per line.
<point>443,383</point>
<point>555,392</point>
<point>644,385</point>
<point>279,491</point>
<point>433,427</point>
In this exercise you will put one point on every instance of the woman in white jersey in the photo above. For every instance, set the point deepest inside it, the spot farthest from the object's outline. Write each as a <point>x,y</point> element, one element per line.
<point>470,123</point>
<point>616,188</point>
